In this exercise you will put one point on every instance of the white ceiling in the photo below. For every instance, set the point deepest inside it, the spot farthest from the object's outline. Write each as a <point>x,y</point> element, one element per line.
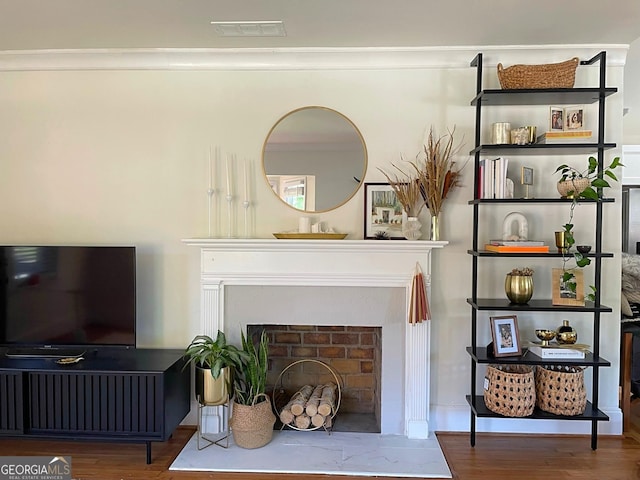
<point>73,24</point>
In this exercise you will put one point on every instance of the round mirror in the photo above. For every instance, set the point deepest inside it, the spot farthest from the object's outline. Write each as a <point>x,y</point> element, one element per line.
<point>314,159</point>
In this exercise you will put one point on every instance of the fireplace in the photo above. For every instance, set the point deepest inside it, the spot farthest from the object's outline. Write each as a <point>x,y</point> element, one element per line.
<point>306,276</point>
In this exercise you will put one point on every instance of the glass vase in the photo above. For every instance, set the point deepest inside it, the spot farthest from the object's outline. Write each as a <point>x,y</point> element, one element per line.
<point>411,228</point>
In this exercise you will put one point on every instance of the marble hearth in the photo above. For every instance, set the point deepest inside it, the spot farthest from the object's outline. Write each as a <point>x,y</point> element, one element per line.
<point>331,269</point>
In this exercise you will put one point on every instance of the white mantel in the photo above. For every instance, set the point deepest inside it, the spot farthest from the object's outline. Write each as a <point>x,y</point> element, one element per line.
<point>357,263</point>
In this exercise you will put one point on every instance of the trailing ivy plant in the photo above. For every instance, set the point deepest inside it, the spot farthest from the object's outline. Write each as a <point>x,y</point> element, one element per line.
<point>592,192</point>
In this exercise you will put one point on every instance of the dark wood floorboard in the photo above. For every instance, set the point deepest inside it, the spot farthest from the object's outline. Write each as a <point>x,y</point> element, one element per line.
<point>495,457</point>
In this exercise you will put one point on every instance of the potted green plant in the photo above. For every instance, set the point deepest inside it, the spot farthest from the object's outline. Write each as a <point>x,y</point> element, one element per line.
<point>215,362</point>
<point>252,418</point>
<point>581,184</point>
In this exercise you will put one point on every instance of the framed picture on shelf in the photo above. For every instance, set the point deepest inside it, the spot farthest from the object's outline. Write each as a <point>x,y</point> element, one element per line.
<point>574,118</point>
<point>570,292</point>
<point>382,212</point>
<point>556,119</point>
<point>505,336</point>
<point>526,177</point>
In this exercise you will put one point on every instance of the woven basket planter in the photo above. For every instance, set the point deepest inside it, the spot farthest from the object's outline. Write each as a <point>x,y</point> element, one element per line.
<point>560,389</point>
<point>252,425</point>
<point>576,185</point>
<point>510,390</point>
<point>551,75</point>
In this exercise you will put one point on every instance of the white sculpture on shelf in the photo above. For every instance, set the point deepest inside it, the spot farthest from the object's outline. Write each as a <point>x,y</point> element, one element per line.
<point>507,227</point>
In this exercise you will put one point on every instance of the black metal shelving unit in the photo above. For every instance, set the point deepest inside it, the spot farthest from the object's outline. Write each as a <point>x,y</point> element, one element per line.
<point>558,96</point>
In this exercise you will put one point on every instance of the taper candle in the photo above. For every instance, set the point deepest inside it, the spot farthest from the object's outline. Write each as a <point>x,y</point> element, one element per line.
<point>246,181</point>
<point>210,169</point>
<point>228,174</point>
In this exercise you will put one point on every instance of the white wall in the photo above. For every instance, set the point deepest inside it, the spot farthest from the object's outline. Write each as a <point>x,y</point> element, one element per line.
<point>120,156</point>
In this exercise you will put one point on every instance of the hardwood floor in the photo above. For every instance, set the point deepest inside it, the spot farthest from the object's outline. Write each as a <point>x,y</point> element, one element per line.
<point>495,457</point>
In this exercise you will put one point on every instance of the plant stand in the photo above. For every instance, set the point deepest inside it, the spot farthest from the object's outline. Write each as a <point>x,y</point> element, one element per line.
<point>223,441</point>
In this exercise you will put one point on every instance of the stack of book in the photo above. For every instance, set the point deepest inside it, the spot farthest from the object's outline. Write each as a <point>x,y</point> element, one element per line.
<point>519,246</point>
<point>493,178</point>
<point>567,136</point>
<point>557,351</point>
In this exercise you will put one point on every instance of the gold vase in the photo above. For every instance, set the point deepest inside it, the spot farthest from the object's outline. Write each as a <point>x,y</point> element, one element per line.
<point>435,228</point>
<point>561,242</point>
<point>519,288</point>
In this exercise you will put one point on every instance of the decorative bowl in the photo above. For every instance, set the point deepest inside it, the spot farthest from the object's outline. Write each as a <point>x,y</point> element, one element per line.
<point>545,335</point>
<point>584,249</point>
<point>567,338</point>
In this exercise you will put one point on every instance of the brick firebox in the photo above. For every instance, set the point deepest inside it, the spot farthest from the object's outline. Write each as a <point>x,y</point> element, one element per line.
<point>353,352</point>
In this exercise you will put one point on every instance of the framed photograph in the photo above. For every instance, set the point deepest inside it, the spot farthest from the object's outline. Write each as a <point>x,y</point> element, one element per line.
<point>526,177</point>
<point>574,118</point>
<point>556,119</point>
<point>562,293</point>
<point>505,335</point>
<point>382,211</point>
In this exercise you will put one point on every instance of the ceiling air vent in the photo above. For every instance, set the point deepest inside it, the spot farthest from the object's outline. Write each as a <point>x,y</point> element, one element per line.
<point>250,29</point>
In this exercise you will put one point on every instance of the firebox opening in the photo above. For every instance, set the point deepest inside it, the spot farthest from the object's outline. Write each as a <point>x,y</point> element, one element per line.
<point>354,353</point>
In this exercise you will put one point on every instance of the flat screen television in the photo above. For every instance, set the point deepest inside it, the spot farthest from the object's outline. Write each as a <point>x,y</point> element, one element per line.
<point>66,299</point>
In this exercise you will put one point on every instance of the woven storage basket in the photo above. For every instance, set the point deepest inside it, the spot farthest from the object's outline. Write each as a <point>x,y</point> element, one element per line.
<point>510,390</point>
<point>560,389</point>
<point>551,75</point>
<point>252,425</point>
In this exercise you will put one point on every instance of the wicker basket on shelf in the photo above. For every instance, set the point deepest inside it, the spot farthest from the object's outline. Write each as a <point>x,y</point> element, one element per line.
<point>560,389</point>
<point>510,390</point>
<point>550,75</point>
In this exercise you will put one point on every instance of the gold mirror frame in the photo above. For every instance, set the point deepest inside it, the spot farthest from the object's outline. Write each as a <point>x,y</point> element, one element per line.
<point>308,134</point>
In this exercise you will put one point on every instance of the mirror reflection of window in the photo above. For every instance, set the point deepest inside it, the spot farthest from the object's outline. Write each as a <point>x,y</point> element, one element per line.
<point>296,190</point>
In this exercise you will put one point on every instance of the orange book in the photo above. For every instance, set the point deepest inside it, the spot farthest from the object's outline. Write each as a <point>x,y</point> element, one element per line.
<point>519,249</point>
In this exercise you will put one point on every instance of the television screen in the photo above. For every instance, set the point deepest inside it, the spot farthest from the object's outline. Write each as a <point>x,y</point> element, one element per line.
<point>71,296</point>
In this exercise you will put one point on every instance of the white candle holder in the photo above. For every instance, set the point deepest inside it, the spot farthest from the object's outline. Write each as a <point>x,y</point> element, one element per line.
<point>210,193</point>
<point>245,205</point>
<point>229,216</point>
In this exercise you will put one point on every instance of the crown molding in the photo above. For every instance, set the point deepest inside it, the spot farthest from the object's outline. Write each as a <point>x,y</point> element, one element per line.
<point>298,58</point>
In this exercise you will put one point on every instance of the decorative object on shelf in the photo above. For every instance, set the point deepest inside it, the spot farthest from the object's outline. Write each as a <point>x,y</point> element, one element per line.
<point>566,334</point>
<point>521,222</point>
<point>501,133</point>
<point>381,235</point>
<point>304,225</point>
<point>518,285</point>
<point>411,228</point>
<point>556,119</point>
<point>590,176</point>
<point>597,183</point>
<point>520,136</point>
<point>526,179</point>
<point>310,236</point>
<point>561,242</point>
<point>545,335</point>
<point>382,211</point>
<point>252,418</point>
<point>567,287</point>
<point>437,173</point>
<point>550,75</point>
<point>584,249</point>
<point>246,203</point>
<point>505,336</point>
<point>210,188</point>
<point>558,351</point>
<point>510,390</point>
<point>560,389</point>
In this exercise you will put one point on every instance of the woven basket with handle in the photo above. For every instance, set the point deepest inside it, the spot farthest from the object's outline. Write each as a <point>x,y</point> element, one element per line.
<point>550,75</point>
<point>252,425</point>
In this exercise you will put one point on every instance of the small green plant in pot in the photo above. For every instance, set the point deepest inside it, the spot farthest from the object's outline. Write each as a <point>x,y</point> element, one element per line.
<point>581,184</point>
<point>215,362</point>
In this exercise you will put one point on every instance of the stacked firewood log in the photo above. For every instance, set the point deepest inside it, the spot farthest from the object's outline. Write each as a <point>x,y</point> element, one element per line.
<point>311,407</point>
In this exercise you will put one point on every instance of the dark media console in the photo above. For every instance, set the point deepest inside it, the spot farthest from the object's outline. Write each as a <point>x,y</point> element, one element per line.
<point>135,395</point>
